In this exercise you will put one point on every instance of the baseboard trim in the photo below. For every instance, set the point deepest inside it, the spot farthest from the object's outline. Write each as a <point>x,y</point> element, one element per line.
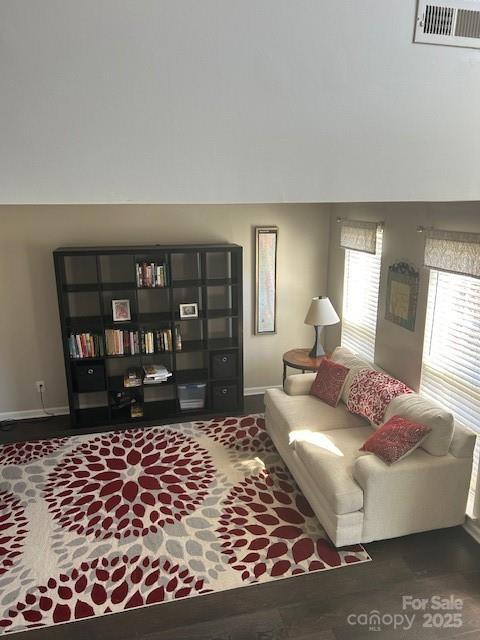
<point>33,413</point>
<point>472,527</point>
<point>30,414</point>
<point>256,391</point>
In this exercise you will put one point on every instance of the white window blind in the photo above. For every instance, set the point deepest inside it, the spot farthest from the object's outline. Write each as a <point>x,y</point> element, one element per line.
<point>360,300</point>
<point>451,358</point>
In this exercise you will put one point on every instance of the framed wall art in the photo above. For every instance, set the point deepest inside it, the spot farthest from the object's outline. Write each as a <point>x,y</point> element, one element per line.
<point>266,280</point>
<point>402,294</point>
<point>121,310</point>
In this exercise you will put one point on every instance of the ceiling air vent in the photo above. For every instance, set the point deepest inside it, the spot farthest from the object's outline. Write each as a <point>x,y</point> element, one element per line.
<point>454,22</point>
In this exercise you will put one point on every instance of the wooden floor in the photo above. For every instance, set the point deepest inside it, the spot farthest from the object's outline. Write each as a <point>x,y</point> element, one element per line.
<point>310,607</point>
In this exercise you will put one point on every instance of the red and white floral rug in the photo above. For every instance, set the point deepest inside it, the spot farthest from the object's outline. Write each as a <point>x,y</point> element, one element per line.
<point>96,524</point>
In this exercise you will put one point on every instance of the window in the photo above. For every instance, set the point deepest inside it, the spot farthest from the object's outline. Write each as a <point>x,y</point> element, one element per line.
<point>451,355</point>
<point>360,299</point>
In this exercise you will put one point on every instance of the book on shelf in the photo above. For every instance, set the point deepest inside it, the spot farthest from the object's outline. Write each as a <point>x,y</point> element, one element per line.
<point>133,378</point>
<point>85,345</point>
<point>152,275</point>
<point>119,342</point>
<point>158,341</point>
<point>155,374</point>
<point>136,410</point>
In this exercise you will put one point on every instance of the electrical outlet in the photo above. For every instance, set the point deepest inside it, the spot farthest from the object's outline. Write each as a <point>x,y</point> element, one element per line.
<point>40,386</point>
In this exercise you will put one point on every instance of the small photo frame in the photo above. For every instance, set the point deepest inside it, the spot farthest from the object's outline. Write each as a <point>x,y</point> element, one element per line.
<point>188,310</point>
<point>121,310</point>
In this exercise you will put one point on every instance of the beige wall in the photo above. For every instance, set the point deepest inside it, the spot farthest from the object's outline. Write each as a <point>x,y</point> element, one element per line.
<point>30,343</point>
<point>397,350</point>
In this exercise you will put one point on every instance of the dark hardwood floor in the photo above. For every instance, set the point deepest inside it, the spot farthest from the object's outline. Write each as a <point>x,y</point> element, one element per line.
<point>316,606</point>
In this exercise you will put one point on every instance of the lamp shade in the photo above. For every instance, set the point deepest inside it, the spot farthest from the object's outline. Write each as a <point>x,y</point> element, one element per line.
<point>321,313</point>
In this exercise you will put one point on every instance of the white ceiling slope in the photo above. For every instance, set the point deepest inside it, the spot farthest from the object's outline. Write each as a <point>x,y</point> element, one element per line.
<point>209,101</point>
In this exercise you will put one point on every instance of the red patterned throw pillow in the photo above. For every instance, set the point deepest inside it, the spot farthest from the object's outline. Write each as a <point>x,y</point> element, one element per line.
<point>396,439</point>
<point>371,392</point>
<point>328,384</point>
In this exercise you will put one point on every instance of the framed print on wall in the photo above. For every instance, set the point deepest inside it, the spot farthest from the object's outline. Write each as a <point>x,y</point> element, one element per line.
<point>402,294</point>
<point>266,280</point>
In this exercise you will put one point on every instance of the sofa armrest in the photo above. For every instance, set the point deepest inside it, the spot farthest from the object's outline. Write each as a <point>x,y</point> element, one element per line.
<point>417,493</point>
<point>463,442</point>
<point>299,384</point>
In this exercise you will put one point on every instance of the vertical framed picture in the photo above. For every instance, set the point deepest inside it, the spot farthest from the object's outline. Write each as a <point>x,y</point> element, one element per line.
<point>266,280</point>
<point>402,294</point>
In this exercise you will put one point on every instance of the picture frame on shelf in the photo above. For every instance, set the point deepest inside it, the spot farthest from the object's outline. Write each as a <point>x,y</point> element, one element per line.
<point>188,310</point>
<point>121,310</point>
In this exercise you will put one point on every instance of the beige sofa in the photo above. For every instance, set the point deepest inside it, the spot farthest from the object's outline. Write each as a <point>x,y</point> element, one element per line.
<point>356,496</point>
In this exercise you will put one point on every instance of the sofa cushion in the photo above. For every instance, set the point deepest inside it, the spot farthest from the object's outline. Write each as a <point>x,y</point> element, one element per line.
<point>328,457</point>
<point>395,439</point>
<point>307,413</point>
<point>329,382</point>
<point>417,408</point>
<point>371,392</point>
<point>344,356</point>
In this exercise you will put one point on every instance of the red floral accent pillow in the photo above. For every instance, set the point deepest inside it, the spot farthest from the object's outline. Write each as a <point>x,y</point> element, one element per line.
<point>396,439</point>
<point>371,392</point>
<point>329,382</point>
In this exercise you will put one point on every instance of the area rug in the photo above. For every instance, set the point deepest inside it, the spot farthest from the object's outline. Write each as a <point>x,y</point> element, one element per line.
<point>100,523</point>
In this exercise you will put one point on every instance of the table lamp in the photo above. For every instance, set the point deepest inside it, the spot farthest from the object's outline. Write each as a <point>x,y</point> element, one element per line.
<point>320,314</point>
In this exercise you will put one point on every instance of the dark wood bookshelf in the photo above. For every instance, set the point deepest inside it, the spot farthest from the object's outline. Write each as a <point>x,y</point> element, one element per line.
<point>210,275</point>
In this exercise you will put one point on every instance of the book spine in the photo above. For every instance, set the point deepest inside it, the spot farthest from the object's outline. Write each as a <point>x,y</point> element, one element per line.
<point>83,345</point>
<point>138,275</point>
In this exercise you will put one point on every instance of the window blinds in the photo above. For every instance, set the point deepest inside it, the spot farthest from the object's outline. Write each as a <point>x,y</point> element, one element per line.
<point>451,358</point>
<point>360,299</point>
<point>359,236</point>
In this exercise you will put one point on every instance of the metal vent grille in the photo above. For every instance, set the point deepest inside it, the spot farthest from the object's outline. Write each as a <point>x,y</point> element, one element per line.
<point>468,24</point>
<point>438,20</point>
<point>455,23</point>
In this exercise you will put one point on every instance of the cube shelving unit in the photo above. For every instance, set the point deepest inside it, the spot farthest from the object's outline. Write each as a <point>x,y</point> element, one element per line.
<point>90,278</point>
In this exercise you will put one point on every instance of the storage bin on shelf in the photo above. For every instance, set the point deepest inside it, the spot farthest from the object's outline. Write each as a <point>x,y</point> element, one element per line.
<point>192,395</point>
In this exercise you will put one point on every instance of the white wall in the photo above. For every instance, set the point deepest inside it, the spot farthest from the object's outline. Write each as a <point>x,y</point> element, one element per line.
<point>397,350</point>
<point>179,101</point>
<point>30,339</point>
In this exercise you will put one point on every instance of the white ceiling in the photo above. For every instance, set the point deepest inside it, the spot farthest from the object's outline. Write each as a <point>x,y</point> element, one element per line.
<point>232,101</point>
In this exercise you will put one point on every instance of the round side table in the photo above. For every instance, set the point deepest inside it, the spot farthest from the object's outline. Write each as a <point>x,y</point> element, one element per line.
<point>299,359</point>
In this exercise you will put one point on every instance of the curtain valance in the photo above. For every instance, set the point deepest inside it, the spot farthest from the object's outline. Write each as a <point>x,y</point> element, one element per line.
<point>453,251</point>
<point>359,235</point>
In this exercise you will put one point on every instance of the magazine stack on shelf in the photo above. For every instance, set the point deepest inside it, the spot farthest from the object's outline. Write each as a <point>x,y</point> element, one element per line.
<point>155,374</point>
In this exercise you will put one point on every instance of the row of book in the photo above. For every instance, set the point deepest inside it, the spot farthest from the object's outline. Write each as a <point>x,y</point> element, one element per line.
<point>121,343</point>
<point>85,345</point>
<point>156,341</point>
<point>152,275</point>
